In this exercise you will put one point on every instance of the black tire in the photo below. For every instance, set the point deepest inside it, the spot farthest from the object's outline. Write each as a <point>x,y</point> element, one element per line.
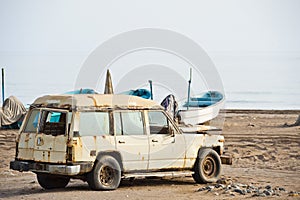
<point>106,174</point>
<point>50,181</point>
<point>207,168</point>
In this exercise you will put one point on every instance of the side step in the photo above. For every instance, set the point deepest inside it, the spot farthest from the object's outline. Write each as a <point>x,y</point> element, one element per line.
<point>172,174</point>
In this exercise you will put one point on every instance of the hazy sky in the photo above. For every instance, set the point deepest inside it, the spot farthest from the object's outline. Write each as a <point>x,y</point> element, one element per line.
<point>253,25</point>
<point>54,37</point>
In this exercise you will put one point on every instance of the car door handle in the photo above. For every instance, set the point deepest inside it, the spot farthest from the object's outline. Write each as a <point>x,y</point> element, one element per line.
<point>154,140</point>
<point>121,142</point>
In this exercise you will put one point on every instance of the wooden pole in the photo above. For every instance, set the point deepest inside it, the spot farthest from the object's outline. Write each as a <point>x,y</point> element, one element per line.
<point>3,97</point>
<point>189,89</point>
<point>151,91</point>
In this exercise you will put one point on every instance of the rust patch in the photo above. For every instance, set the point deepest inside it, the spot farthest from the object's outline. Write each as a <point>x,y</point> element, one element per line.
<point>93,153</point>
<point>27,138</point>
<point>94,100</point>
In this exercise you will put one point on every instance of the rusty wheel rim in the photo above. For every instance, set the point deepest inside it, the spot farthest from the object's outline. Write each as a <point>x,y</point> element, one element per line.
<point>106,175</point>
<point>209,166</point>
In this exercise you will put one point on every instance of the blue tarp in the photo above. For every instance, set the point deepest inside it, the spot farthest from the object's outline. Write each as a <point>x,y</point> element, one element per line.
<point>139,92</point>
<point>82,91</point>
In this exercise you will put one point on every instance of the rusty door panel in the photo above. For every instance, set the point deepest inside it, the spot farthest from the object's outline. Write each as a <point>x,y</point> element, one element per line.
<point>50,148</point>
<point>134,151</point>
<point>49,156</point>
<point>166,151</point>
<point>193,143</point>
<point>42,148</point>
<point>86,148</point>
<point>25,154</point>
<point>26,146</point>
<point>196,141</point>
<point>52,143</point>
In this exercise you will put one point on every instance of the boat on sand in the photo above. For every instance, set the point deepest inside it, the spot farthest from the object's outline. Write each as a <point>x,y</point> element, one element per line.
<point>201,109</point>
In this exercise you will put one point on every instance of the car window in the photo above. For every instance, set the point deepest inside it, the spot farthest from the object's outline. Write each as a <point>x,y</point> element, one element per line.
<point>52,123</point>
<point>94,123</point>
<point>128,123</point>
<point>117,123</point>
<point>47,122</point>
<point>54,117</point>
<point>32,123</point>
<point>158,122</point>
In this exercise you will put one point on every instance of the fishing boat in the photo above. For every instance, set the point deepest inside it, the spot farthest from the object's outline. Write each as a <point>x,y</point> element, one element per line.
<point>201,109</point>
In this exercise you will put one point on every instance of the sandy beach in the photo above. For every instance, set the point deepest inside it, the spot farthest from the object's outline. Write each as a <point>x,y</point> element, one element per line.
<point>264,146</point>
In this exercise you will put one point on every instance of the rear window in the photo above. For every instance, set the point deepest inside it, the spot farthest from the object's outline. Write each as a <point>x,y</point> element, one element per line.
<point>48,122</point>
<point>32,123</point>
<point>53,122</point>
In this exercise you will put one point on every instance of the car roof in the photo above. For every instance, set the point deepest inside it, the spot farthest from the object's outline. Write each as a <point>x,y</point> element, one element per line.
<point>95,101</point>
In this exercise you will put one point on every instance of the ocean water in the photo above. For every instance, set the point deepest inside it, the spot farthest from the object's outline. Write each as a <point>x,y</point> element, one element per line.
<point>269,81</point>
<point>257,81</point>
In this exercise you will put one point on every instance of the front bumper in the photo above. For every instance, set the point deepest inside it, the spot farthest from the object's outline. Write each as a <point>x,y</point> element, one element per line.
<point>46,168</point>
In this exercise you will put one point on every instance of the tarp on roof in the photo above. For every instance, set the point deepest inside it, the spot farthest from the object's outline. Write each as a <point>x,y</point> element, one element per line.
<point>12,111</point>
<point>139,93</point>
<point>82,91</point>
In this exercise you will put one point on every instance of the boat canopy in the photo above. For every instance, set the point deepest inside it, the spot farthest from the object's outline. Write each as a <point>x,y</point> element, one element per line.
<point>205,99</point>
<point>11,112</point>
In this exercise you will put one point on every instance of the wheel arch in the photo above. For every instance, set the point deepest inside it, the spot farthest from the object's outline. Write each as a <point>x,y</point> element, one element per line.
<point>201,150</point>
<point>218,149</point>
<point>201,155</point>
<point>215,148</point>
<point>114,154</point>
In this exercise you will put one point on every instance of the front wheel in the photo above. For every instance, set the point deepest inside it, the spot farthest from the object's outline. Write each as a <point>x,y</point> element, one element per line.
<point>207,167</point>
<point>50,181</point>
<point>106,174</point>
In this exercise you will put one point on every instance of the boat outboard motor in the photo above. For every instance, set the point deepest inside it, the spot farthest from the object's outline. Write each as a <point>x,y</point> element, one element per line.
<point>170,105</point>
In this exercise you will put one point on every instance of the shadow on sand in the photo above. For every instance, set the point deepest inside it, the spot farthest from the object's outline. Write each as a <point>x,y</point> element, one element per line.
<point>77,186</point>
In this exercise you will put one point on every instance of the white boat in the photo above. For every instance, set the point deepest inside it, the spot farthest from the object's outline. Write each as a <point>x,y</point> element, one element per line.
<point>201,109</point>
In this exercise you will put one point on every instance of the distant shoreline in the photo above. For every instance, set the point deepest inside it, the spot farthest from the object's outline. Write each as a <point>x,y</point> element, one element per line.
<point>254,111</point>
<point>260,111</point>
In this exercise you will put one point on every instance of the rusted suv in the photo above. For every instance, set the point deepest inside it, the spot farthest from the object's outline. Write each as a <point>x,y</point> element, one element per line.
<point>102,139</point>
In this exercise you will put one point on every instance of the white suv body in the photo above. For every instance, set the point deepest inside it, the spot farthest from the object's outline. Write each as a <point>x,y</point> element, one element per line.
<point>104,138</point>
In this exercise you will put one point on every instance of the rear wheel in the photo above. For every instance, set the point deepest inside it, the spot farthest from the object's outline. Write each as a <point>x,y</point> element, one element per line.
<point>50,181</point>
<point>207,167</point>
<point>106,174</point>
